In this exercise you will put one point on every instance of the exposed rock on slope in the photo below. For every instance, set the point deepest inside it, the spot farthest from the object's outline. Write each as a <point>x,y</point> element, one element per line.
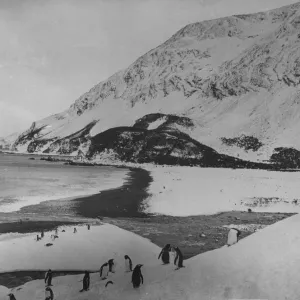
<point>288,157</point>
<point>245,142</point>
<point>231,76</point>
<point>163,145</point>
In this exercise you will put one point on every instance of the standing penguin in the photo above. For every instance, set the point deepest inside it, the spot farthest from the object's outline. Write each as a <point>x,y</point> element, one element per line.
<point>233,236</point>
<point>104,271</point>
<point>137,277</point>
<point>111,265</point>
<point>49,294</point>
<point>178,259</point>
<point>11,296</point>
<point>165,254</point>
<point>86,281</point>
<point>48,278</point>
<point>88,226</point>
<point>75,230</point>
<point>128,264</point>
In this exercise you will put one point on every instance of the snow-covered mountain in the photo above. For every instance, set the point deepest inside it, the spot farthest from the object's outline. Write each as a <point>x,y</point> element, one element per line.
<point>230,84</point>
<point>5,143</point>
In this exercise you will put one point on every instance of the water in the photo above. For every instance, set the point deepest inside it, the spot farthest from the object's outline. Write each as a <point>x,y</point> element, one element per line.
<point>25,182</point>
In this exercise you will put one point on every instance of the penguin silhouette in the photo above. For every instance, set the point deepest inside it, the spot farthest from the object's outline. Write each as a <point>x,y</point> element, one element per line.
<point>178,258</point>
<point>85,281</point>
<point>165,254</point>
<point>137,277</point>
<point>75,230</point>
<point>11,296</point>
<point>104,271</point>
<point>128,264</point>
<point>48,278</point>
<point>111,266</point>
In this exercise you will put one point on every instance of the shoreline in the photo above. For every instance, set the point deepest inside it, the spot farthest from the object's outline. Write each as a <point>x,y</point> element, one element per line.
<point>123,201</point>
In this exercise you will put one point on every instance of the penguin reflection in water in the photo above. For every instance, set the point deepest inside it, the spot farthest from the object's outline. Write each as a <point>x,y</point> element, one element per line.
<point>49,294</point>
<point>104,271</point>
<point>137,277</point>
<point>111,265</point>
<point>128,264</point>
<point>165,254</point>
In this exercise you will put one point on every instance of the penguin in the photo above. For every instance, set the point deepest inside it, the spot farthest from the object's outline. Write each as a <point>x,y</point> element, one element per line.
<point>178,259</point>
<point>233,236</point>
<point>108,282</point>
<point>86,281</point>
<point>42,234</point>
<point>104,271</point>
<point>88,226</point>
<point>75,230</point>
<point>49,294</point>
<point>137,277</point>
<point>165,255</point>
<point>111,266</point>
<point>128,264</point>
<point>11,296</point>
<point>48,278</point>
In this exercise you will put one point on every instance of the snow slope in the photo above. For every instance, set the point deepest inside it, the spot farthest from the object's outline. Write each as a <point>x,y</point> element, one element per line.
<point>183,191</point>
<point>231,76</point>
<point>264,265</point>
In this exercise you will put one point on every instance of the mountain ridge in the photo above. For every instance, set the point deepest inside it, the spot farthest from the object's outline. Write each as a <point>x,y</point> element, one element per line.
<point>233,76</point>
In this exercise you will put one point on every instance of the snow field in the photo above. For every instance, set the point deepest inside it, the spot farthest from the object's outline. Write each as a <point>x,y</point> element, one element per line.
<point>184,191</point>
<point>264,265</point>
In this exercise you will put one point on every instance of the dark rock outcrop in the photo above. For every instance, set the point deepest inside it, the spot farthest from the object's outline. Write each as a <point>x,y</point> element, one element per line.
<point>286,157</point>
<point>245,142</point>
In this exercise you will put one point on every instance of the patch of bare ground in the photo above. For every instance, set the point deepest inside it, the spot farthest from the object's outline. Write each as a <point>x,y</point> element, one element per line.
<point>196,234</point>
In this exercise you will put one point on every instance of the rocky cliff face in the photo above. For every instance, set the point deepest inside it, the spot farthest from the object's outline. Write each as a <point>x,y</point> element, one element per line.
<point>222,79</point>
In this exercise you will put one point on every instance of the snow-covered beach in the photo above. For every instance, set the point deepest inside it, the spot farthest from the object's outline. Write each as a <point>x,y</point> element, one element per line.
<point>184,191</point>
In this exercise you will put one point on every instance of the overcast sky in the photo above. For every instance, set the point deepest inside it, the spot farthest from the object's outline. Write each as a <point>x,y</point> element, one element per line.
<point>52,51</point>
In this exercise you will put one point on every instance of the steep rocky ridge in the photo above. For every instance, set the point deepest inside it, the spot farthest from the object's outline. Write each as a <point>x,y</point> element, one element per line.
<point>231,76</point>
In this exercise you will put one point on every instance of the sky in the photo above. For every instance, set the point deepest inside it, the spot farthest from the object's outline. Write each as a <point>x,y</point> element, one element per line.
<point>52,51</point>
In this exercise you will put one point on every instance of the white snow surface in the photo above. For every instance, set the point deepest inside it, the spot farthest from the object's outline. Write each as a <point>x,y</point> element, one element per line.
<point>86,249</point>
<point>157,123</point>
<point>264,265</point>
<point>183,191</point>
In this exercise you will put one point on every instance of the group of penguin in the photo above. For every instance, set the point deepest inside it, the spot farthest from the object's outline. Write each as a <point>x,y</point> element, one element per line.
<point>109,267</point>
<point>137,276</point>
